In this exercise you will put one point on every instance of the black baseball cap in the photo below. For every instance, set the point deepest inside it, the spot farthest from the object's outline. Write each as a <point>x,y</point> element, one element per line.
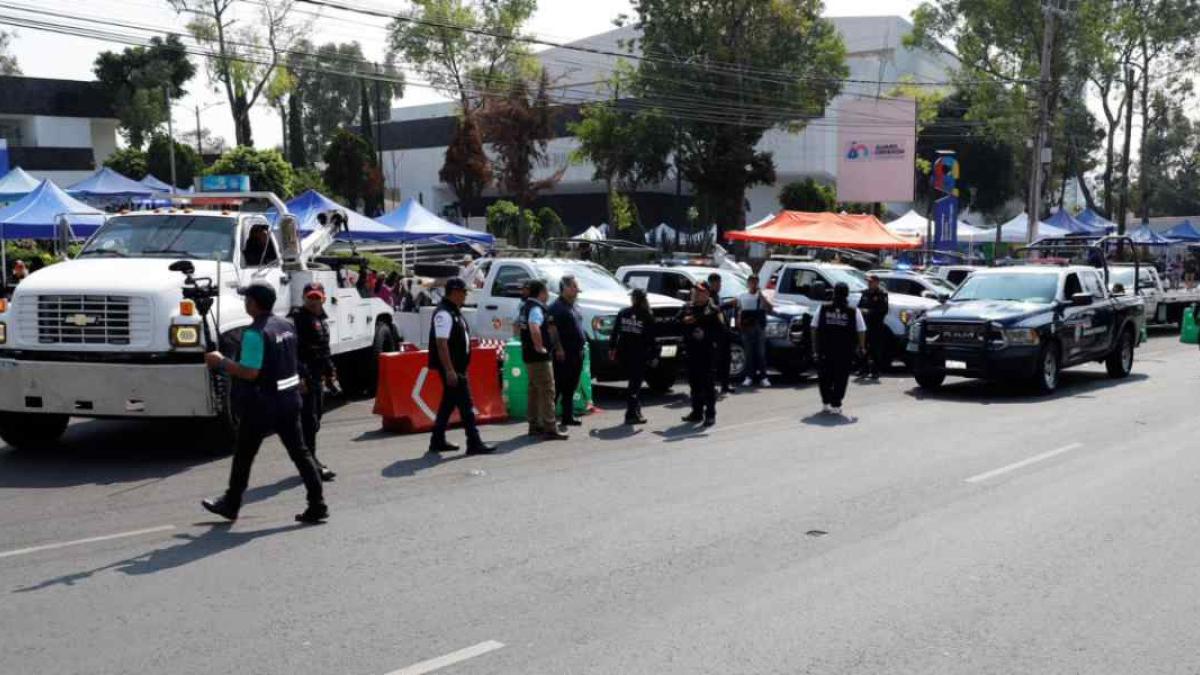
<point>456,284</point>
<point>262,294</point>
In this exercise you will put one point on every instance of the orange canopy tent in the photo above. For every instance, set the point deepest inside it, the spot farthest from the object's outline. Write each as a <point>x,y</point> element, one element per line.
<point>832,230</point>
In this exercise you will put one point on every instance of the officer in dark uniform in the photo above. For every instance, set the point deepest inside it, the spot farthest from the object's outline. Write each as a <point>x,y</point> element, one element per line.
<point>266,394</point>
<point>633,347</point>
<point>701,327</point>
<point>874,307</point>
<point>570,342</point>
<point>537,338</point>
<point>449,356</point>
<point>316,367</point>
<point>724,337</point>
<point>840,333</point>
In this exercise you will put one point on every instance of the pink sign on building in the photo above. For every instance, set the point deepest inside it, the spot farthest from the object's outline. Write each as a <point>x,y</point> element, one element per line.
<point>877,141</point>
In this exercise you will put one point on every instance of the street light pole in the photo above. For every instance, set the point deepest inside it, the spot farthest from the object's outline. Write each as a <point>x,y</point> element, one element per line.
<point>170,138</point>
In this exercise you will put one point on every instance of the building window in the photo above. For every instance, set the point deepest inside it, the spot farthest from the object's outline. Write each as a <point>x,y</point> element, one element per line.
<point>10,130</point>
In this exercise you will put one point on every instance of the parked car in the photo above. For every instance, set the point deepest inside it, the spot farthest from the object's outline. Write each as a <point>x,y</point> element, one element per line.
<point>915,284</point>
<point>954,274</point>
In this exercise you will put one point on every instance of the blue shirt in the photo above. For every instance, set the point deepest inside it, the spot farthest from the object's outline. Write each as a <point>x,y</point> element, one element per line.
<point>536,316</point>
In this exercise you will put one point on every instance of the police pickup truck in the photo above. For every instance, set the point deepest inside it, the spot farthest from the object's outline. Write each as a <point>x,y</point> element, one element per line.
<point>1027,322</point>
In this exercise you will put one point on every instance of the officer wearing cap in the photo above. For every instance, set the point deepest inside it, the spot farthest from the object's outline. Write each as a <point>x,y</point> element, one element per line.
<point>449,356</point>
<point>702,325</point>
<point>315,365</point>
<point>266,394</point>
<point>874,307</point>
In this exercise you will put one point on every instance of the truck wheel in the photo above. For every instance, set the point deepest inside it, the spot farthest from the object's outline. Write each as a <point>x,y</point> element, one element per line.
<point>737,363</point>
<point>31,431</point>
<point>1046,380</point>
<point>661,379</point>
<point>1120,362</point>
<point>930,380</point>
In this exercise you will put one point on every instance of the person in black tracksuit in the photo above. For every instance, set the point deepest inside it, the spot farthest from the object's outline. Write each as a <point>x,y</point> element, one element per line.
<point>633,346</point>
<point>449,357</point>
<point>840,334</point>
<point>874,307</point>
<point>568,348</point>
<point>701,321</point>
<point>266,396</point>
<point>724,337</point>
<point>316,366</point>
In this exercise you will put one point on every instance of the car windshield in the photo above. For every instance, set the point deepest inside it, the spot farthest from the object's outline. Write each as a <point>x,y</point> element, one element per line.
<point>166,236</point>
<point>1040,288</point>
<point>856,280</point>
<point>589,277</point>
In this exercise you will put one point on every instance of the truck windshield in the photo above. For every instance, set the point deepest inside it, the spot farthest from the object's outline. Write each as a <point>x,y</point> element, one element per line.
<point>1040,288</point>
<point>589,277</point>
<point>856,280</point>
<point>166,236</point>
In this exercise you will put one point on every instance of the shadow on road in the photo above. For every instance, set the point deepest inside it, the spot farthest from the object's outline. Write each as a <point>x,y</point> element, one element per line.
<point>1072,384</point>
<point>682,432</point>
<point>191,548</point>
<point>615,433</point>
<point>822,419</point>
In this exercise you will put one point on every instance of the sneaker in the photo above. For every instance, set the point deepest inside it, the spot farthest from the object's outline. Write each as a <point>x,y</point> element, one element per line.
<point>222,507</point>
<point>481,449</point>
<point>315,513</point>
<point>766,382</point>
<point>826,409</point>
<point>555,435</point>
<point>327,474</point>
<point>710,421</point>
<point>747,382</point>
<point>836,410</point>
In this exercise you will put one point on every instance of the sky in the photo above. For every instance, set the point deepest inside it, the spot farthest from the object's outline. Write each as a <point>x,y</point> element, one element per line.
<point>43,54</point>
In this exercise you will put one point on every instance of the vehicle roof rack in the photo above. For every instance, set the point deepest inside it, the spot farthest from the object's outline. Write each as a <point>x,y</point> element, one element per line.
<point>562,242</point>
<point>1082,244</point>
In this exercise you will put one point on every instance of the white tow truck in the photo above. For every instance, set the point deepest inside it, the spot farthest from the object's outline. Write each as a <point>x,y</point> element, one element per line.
<point>1163,306</point>
<point>120,331</point>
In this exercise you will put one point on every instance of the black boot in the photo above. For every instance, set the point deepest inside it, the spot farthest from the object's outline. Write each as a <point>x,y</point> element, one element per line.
<point>315,513</point>
<point>222,506</point>
<point>327,474</point>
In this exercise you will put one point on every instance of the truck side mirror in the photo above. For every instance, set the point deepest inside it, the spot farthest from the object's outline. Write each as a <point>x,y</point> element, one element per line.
<point>929,294</point>
<point>289,240</point>
<point>1081,299</point>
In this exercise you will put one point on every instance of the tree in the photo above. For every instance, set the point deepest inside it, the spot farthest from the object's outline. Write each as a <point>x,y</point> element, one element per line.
<point>268,170</point>
<point>520,125</point>
<point>348,163</point>
<point>188,164</point>
<point>209,143</point>
<point>807,195</point>
<point>718,50</point>
<point>466,169</point>
<point>503,219</point>
<point>243,59</point>
<point>8,61</point>
<point>551,226</point>
<point>297,151</point>
<point>309,178</point>
<point>138,80</point>
<point>129,162</point>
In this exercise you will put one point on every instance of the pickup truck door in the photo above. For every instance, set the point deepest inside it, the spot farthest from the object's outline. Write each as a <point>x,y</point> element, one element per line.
<point>499,301</point>
<point>801,286</point>
<point>1099,336</point>
<point>1076,321</point>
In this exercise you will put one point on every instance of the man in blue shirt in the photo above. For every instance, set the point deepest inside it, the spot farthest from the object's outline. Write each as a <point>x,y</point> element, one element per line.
<point>535,326</point>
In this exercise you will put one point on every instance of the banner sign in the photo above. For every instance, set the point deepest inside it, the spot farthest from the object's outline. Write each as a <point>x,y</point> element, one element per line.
<point>945,175</point>
<point>232,183</point>
<point>945,221</point>
<point>877,140</point>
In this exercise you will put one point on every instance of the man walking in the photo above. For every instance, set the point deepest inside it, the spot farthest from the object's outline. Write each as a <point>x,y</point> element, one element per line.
<point>449,356</point>
<point>840,332</point>
<point>633,347</point>
<point>753,308</point>
<point>568,348</point>
<point>874,307</point>
<point>723,337</point>
<point>536,340</point>
<point>315,366</point>
<point>266,394</point>
<point>701,323</point>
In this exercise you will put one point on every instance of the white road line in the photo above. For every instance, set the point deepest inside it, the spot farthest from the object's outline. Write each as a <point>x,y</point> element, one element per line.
<point>449,659</point>
<point>89,540</point>
<point>979,478</point>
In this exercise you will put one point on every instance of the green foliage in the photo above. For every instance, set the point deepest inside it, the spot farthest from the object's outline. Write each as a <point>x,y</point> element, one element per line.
<point>348,164</point>
<point>503,218</point>
<point>1171,161</point>
<point>519,126</point>
<point>807,195</point>
<point>630,149</point>
<point>550,225</point>
<point>268,170</point>
<point>138,79</point>
<point>129,162</point>
<point>297,152</point>
<point>732,40</point>
<point>624,217</point>
<point>26,250</point>
<point>309,178</point>
<point>8,61</point>
<point>188,164</point>
<point>374,261</point>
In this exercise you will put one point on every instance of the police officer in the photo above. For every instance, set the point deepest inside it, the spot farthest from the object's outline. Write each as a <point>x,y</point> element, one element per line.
<point>874,307</point>
<point>315,365</point>
<point>569,344</point>
<point>840,332</point>
<point>701,327</point>
<point>534,322</point>
<point>266,393</point>
<point>724,337</point>
<point>633,347</point>
<point>449,356</point>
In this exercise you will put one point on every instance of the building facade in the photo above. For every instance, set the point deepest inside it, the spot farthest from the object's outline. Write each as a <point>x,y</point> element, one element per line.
<point>57,129</point>
<point>414,141</point>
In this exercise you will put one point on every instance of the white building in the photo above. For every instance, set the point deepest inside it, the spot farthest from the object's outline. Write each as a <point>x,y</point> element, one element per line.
<point>57,129</point>
<point>414,142</point>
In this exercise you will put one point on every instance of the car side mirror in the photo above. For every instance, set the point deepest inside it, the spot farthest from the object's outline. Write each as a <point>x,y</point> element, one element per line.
<point>683,294</point>
<point>930,294</point>
<point>1081,299</point>
<point>1118,289</point>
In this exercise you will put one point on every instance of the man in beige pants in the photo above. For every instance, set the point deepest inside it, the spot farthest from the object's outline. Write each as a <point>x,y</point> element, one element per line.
<point>535,326</point>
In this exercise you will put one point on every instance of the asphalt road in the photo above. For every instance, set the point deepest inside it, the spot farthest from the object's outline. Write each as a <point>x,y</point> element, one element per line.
<point>979,530</point>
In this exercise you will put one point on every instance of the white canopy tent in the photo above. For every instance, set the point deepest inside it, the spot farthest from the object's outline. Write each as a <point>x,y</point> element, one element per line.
<point>913,224</point>
<point>1016,231</point>
<point>593,233</point>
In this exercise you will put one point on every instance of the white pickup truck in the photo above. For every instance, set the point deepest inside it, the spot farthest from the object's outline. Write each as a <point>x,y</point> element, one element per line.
<point>1163,306</point>
<point>111,334</point>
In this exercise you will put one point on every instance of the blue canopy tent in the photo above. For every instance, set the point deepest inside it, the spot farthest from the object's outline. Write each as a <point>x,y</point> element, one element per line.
<point>36,216</point>
<point>1074,227</point>
<point>16,184</point>
<point>1092,219</point>
<point>108,185</point>
<point>155,184</point>
<point>1184,233</point>
<point>1142,235</point>
<point>307,205</point>
<point>413,222</point>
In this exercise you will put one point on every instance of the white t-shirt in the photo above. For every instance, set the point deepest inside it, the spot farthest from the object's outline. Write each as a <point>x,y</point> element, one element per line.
<point>750,301</point>
<point>859,324</point>
<point>443,323</point>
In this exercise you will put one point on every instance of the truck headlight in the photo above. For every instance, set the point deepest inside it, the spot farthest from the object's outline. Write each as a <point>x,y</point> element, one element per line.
<point>1020,337</point>
<point>186,335</point>
<point>776,330</point>
<point>3,333</point>
<point>602,326</point>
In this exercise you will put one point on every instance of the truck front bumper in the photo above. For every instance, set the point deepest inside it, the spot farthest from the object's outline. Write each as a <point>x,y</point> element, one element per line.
<point>1010,363</point>
<point>605,369</point>
<point>106,389</point>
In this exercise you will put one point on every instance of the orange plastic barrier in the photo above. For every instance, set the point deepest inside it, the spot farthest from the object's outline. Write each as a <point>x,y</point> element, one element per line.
<point>409,392</point>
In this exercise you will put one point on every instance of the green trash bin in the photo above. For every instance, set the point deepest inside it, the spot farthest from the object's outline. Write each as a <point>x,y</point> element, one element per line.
<point>516,383</point>
<point>1189,332</point>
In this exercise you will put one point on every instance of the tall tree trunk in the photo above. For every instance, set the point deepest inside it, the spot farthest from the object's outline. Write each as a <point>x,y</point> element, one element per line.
<point>1110,142</point>
<point>1123,204</point>
<point>297,152</point>
<point>1143,183</point>
<point>283,128</point>
<point>240,110</point>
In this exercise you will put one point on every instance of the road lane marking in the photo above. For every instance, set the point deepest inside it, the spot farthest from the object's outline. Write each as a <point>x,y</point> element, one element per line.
<point>89,540</point>
<point>979,478</point>
<point>449,659</point>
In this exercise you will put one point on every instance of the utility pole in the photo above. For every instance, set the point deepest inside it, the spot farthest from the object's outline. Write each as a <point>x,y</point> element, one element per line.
<point>199,149</point>
<point>1034,198</point>
<point>170,138</point>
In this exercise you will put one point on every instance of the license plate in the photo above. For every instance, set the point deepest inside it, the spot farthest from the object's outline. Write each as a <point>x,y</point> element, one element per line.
<point>956,365</point>
<point>669,351</point>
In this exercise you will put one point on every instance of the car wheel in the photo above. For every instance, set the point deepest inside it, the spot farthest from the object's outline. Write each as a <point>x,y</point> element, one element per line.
<point>1120,362</point>
<point>661,379</point>
<point>1046,381</point>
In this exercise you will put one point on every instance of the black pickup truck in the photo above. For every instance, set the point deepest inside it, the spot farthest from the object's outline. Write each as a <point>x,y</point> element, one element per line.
<point>1027,322</point>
